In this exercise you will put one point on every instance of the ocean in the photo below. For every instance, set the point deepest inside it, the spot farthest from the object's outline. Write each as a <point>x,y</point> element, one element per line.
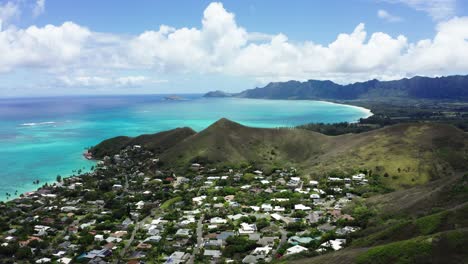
<point>41,138</point>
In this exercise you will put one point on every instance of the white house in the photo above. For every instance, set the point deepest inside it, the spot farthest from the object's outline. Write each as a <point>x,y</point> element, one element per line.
<point>301,207</point>
<point>279,209</point>
<point>313,183</point>
<point>140,205</point>
<point>314,196</point>
<point>276,216</point>
<point>358,177</point>
<point>247,228</point>
<point>335,244</point>
<point>218,220</point>
<point>267,207</point>
<point>296,249</point>
<point>262,250</point>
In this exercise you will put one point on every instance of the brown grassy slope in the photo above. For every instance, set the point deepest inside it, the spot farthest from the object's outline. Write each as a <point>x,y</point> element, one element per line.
<point>408,154</point>
<point>231,143</point>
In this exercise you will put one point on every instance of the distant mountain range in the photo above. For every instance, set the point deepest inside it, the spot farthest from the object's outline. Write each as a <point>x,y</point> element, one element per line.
<point>450,88</point>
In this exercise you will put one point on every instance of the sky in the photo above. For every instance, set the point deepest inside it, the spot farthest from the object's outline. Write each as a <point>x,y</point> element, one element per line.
<point>60,47</point>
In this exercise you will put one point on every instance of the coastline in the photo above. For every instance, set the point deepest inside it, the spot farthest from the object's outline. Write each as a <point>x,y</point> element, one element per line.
<point>49,176</point>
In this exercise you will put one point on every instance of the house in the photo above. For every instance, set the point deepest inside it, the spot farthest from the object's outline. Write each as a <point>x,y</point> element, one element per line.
<point>314,196</point>
<point>295,249</point>
<point>251,259</point>
<point>229,198</point>
<point>247,228</point>
<point>177,257</point>
<point>98,238</point>
<point>218,220</point>
<point>29,240</point>
<point>214,243</point>
<point>335,244</point>
<point>255,208</point>
<point>346,230</point>
<point>302,207</point>
<point>294,182</point>
<point>313,183</point>
<point>258,172</point>
<point>262,250</point>
<point>144,246</point>
<point>199,200</point>
<point>295,240</point>
<point>224,235</point>
<point>44,260</point>
<point>279,209</point>
<point>276,216</point>
<point>183,232</point>
<point>236,216</point>
<point>117,186</point>
<point>102,253</point>
<point>140,205</point>
<point>127,222</point>
<point>65,260</point>
<point>326,227</point>
<point>267,241</point>
<point>212,253</point>
<point>266,207</point>
<point>154,239</point>
<point>358,177</point>
<point>314,217</point>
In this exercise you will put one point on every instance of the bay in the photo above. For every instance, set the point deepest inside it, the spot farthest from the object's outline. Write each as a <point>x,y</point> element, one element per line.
<point>41,138</point>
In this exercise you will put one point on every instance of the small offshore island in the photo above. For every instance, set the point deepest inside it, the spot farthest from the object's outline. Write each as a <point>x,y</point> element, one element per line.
<point>235,194</point>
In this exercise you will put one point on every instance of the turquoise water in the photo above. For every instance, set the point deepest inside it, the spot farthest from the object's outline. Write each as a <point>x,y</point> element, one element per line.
<point>43,137</point>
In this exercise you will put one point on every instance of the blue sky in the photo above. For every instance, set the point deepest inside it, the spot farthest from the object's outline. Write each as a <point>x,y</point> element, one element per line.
<point>106,47</point>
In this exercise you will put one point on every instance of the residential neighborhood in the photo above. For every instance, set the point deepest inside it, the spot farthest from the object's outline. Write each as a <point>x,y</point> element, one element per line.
<point>130,210</point>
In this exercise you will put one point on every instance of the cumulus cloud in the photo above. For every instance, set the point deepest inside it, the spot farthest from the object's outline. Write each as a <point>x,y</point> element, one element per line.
<point>39,8</point>
<point>221,46</point>
<point>49,46</point>
<point>385,15</point>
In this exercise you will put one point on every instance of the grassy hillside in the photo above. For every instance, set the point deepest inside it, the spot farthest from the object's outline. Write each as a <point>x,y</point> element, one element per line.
<point>157,143</point>
<point>423,224</point>
<point>403,155</point>
<point>231,143</point>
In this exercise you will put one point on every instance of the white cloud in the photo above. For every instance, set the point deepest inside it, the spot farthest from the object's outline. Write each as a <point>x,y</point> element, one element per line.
<point>221,46</point>
<point>49,46</point>
<point>8,11</point>
<point>437,9</point>
<point>385,15</point>
<point>39,8</point>
<point>102,81</point>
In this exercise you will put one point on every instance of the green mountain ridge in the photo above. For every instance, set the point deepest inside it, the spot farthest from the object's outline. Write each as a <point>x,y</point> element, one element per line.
<point>406,154</point>
<point>449,88</point>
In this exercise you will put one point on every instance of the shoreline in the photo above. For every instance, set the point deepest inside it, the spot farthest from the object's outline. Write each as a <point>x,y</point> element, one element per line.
<point>31,188</point>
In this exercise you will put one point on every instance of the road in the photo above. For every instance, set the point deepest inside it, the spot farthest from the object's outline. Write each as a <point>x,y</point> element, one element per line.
<point>284,238</point>
<point>199,245</point>
<point>132,237</point>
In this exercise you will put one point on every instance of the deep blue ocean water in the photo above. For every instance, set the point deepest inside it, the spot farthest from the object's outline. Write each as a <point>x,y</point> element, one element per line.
<point>43,137</point>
